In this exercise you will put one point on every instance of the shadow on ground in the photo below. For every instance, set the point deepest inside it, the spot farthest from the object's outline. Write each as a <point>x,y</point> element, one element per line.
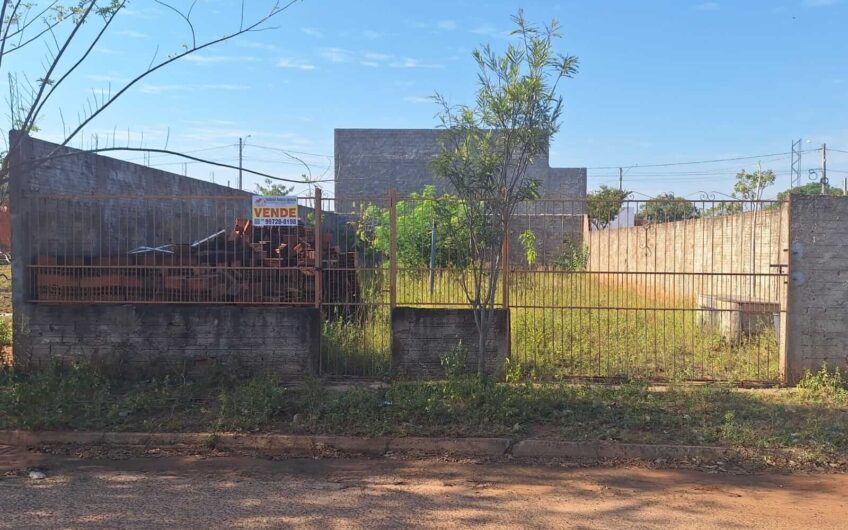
<point>191,491</point>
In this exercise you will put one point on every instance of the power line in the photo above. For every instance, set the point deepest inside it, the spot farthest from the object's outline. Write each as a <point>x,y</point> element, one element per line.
<point>287,151</point>
<point>668,164</point>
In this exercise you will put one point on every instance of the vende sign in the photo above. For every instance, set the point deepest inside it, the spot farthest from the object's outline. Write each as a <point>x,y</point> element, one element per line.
<point>274,211</point>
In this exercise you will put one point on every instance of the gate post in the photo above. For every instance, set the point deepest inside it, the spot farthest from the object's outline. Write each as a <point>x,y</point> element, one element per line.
<point>318,247</point>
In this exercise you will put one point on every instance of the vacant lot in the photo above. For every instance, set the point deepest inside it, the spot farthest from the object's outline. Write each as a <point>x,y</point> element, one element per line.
<point>565,324</point>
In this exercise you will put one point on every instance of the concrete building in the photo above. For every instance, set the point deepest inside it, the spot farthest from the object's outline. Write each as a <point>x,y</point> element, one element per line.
<point>369,162</point>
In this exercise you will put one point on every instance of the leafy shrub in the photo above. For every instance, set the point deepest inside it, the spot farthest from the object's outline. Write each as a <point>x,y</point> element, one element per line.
<point>415,219</point>
<point>573,257</point>
<point>455,361</point>
<point>824,383</point>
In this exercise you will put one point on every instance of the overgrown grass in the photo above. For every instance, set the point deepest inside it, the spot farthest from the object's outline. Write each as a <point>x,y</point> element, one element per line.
<point>810,419</point>
<point>566,325</point>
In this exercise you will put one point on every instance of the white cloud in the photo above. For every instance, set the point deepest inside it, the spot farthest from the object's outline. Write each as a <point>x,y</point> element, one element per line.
<point>313,32</point>
<point>409,62</point>
<point>708,6</point>
<point>371,56</point>
<point>296,64</point>
<point>418,99</point>
<point>338,55</point>
<point>216,59</point>
<point>483,30</point>
<point>256,45</point>
<point>373,59</point>
<point>373,35</point>
<point>160,89</point>
<point>132,34</point>
<point>446,24</point>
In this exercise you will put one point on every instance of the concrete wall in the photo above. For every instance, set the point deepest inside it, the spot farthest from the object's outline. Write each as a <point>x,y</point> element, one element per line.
<point>370,162</point>
<point>54,216</point>
<point>67,206</point>
<point>730,255</point>
<point>284,340</point>
<point>420,337</point>
<point>818,284</point>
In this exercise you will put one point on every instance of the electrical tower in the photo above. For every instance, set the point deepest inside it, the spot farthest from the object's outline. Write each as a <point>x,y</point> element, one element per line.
<point>795,173</point>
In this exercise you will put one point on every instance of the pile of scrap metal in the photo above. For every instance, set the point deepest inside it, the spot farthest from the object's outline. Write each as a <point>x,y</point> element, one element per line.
<point>247,265</point>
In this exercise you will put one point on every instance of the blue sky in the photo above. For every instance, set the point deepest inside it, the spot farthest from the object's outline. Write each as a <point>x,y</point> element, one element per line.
<point>659,82</point>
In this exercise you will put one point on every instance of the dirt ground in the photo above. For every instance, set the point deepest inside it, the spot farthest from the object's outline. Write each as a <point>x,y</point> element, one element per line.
<point>245,492</point>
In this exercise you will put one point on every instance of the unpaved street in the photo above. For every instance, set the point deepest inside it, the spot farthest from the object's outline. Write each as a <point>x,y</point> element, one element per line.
<point>243,492</point>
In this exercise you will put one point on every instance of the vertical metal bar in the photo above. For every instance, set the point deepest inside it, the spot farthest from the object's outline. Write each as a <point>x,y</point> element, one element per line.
<point>505,266</point>
<point>393,248</point>
<point>318,247</point>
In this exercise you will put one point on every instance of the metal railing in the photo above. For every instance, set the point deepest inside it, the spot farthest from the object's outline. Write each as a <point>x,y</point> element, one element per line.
<point>691,291</point>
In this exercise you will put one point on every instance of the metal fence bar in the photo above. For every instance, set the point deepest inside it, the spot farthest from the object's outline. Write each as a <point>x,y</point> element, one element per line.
<point>658,294</point>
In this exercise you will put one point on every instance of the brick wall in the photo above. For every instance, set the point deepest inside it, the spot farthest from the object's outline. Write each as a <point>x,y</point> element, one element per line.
<point>420,337</point>
<point>818,284</point>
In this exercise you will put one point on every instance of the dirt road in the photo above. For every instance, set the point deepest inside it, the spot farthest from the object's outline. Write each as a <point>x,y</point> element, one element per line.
<point>243,492</point>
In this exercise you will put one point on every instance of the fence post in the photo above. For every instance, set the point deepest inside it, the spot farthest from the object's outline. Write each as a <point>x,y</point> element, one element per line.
<point>505,267</point>
<point>393,248</point>
<point>318,247</point>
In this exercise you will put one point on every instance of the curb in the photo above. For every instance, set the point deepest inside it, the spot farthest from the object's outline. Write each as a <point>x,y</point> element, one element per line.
<point>308,445</point>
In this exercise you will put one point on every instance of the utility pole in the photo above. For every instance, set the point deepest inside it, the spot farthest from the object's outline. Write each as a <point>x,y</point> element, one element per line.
<point>241,151</point>
<point>795,168</point>
<point>620,179</point>
<point>824,169</point>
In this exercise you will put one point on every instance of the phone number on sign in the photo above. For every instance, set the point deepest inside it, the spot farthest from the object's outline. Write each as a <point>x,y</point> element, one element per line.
<point>275,222</point>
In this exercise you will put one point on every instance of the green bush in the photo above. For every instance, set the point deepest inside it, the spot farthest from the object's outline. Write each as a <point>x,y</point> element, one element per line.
<point>824,383</point>
<point>415,218</point>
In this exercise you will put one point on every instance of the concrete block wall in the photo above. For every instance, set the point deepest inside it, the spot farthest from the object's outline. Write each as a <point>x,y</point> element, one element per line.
<point>282,340</point>
<point>66,206</point>
<point>730,255</point>
<point>370,162</point>
<point>818,285</point>
<point>421,336</point>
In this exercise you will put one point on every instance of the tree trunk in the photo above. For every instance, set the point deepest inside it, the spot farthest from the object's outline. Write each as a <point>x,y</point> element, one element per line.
<point>481,345</point>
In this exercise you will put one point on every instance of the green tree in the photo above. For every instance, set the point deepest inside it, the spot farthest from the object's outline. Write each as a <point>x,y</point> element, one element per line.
<point>750,186</point>
<point>273,189</point>
<point>604,205</point>
<point>666,207</point>
<point>813,188</point>
<point>487,147</point>
<point>415,219</point>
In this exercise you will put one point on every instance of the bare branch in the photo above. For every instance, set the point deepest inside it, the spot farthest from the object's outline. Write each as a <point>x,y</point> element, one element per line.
<point>186,17</point>
<point>274,12</point>
<point>46,80</point>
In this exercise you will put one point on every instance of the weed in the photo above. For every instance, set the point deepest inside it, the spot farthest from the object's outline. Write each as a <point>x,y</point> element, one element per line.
<point>249,405</point>
<point>825,383</point>
<point>455,362</point>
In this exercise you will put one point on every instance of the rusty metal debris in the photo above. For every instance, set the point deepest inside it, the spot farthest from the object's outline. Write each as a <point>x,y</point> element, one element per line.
<point>243,265</point>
